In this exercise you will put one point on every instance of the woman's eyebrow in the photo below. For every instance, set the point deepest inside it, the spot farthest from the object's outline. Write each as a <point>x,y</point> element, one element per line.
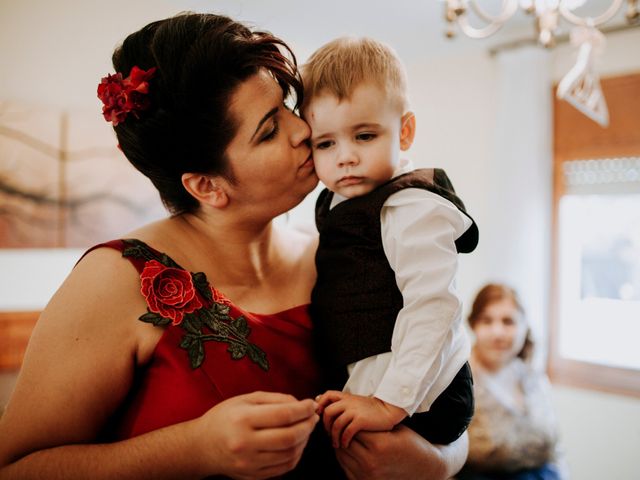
<point>269,114</point>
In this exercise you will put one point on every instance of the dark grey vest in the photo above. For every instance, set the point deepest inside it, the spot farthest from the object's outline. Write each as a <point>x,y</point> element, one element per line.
<point>356,299</point>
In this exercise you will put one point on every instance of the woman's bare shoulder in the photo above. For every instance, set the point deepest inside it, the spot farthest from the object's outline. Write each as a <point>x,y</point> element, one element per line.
<point>81,357</point>
<point>100,298</point>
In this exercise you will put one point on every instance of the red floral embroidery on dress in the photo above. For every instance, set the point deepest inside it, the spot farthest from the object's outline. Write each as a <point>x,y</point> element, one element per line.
<point>180,298</point>
<point>218,297</point>
<point>169,291</point>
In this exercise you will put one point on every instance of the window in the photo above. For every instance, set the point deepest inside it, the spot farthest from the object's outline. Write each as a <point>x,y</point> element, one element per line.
<point>596,328</point>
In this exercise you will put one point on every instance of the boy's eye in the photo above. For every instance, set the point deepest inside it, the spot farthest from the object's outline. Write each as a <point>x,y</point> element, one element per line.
<point>323,145</point>
<point>366,136</point>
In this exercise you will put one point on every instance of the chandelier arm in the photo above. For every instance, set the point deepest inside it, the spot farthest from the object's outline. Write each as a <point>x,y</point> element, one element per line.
<point>508,8</point>
<point>595,21</point>
<point>473,32</point>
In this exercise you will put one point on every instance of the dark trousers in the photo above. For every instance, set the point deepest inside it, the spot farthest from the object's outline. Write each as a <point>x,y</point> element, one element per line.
<point>450,414</point>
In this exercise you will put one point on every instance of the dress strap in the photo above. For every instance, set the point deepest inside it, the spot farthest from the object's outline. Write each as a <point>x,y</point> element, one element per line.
<point>121,245</point>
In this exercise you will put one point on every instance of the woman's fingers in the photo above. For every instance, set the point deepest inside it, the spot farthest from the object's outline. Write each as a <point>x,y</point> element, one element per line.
<point>282,414</point>
<point>256,433</point>
<point>290,436</point>
<point>260,397</point>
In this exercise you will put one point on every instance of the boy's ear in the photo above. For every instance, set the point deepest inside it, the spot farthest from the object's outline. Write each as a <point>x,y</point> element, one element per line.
<point>407,130</point>
<point>206,189</point>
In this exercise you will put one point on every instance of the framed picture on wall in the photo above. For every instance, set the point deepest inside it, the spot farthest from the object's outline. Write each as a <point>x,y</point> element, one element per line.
<point>64,182</point>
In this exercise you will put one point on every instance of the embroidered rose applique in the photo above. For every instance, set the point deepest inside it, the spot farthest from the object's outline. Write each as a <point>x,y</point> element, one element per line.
<point>180,298</point>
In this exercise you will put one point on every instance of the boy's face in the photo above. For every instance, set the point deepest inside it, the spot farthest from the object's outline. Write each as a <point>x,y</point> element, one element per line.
<point>356,141</point>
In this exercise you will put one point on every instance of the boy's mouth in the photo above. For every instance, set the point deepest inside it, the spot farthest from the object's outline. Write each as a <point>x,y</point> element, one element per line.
<point>350,180</point>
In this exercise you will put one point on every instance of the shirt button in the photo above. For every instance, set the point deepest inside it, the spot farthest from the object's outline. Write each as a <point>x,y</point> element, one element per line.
<point>405,391</point>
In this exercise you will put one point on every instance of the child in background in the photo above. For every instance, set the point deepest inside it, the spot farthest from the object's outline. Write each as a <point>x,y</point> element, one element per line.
<point>384,306</point>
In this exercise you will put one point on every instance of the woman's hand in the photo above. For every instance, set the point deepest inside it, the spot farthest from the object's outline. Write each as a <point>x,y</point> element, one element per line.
<point>253,436</point>
<point>401,454</point>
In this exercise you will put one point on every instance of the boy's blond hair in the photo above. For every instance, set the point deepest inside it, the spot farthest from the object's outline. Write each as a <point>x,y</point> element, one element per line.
<point>341,65</point>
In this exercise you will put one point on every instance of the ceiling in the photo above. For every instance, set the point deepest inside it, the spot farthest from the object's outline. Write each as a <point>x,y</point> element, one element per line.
<point>415,28</point>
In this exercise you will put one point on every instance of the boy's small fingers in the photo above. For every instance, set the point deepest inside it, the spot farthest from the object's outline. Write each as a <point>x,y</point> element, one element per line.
<point>332,396</point>
<point>338,427</point>
<point>348,434</point>
<point>327,420</point>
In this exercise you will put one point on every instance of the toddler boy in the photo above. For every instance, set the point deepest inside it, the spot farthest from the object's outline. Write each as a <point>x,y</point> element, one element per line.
<point>384,307</point>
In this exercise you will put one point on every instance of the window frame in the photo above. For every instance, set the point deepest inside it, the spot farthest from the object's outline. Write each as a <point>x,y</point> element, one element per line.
<point>576,137</point>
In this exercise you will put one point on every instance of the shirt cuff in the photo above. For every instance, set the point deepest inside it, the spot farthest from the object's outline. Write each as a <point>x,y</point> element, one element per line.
<point>401,389</point>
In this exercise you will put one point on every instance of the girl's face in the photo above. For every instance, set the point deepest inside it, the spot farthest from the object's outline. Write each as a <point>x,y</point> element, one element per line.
<point>500,332</point>
<point>270,156</point>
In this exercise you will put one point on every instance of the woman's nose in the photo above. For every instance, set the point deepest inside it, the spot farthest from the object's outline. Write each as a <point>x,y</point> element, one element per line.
<point>300,131</point>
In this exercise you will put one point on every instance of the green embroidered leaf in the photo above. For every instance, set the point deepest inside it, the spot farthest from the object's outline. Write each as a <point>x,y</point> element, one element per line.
<point>219,315</point>
<point>192,324</point>
<point>202,285</point>
<point>157,320</point>
<point>187,341</point>
<point>241,327</point>
<point>221,309</point>
<point>196,353</point>
<point>237,350</point>
<point>167,261</point>
<point>258,356</point>
<point>212,323</point>
<point>136,249</point>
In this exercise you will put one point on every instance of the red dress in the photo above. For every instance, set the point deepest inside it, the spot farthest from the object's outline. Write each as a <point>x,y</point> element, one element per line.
<point>171,389</point>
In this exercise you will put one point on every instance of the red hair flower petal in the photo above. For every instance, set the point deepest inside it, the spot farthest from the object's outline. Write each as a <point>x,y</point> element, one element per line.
<point>123,96</point>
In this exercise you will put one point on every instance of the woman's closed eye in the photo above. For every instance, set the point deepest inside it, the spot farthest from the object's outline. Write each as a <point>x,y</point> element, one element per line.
<point>272,132</point>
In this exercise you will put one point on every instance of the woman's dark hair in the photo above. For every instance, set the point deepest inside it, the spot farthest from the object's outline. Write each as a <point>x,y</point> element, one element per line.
<point>495,292</point>
<point>200,60</point>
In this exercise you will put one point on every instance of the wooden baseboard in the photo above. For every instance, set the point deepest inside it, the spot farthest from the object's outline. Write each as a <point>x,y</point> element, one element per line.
<point>15,330</point>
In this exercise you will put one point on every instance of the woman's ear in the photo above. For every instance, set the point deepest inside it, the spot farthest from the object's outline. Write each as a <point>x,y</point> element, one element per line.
<point>206,189</point>
<point>407,130</point>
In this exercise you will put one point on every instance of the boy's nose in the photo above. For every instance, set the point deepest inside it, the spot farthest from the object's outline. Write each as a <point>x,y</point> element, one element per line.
<point>347,158</point>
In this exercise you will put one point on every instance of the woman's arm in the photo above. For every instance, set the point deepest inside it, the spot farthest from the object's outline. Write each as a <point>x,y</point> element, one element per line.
<point>401,454</point>
<point>79,367</point>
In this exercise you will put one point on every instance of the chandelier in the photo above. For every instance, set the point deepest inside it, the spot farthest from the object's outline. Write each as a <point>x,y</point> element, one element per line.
<point>581,85</point>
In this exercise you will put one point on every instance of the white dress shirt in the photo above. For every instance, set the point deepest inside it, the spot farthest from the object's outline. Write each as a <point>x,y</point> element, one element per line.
<point>429,343</point>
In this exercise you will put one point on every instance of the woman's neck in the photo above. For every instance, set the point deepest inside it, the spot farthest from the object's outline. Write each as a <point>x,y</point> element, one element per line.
<point>249,250</point>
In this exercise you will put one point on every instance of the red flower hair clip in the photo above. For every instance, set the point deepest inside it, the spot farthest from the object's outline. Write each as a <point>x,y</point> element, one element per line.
<point>121,97</point>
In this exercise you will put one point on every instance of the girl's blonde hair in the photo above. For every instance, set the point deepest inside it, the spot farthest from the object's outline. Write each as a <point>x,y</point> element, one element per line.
<point>344,63</point>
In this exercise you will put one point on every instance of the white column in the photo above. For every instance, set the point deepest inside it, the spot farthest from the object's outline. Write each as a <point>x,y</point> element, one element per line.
<point>520,183</point>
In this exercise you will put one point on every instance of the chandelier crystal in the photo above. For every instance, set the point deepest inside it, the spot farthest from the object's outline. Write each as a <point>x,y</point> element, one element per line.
<point>581,86</point>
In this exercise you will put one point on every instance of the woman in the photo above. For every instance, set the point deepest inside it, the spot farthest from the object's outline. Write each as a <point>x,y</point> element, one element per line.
<point>513,434</point>
<point>166,384</point>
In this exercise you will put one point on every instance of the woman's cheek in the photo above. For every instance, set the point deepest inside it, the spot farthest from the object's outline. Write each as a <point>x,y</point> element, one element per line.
<point>519,336</point>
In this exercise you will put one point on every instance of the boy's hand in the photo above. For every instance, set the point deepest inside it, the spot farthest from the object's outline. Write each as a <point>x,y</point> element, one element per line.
<point>345,414</point>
